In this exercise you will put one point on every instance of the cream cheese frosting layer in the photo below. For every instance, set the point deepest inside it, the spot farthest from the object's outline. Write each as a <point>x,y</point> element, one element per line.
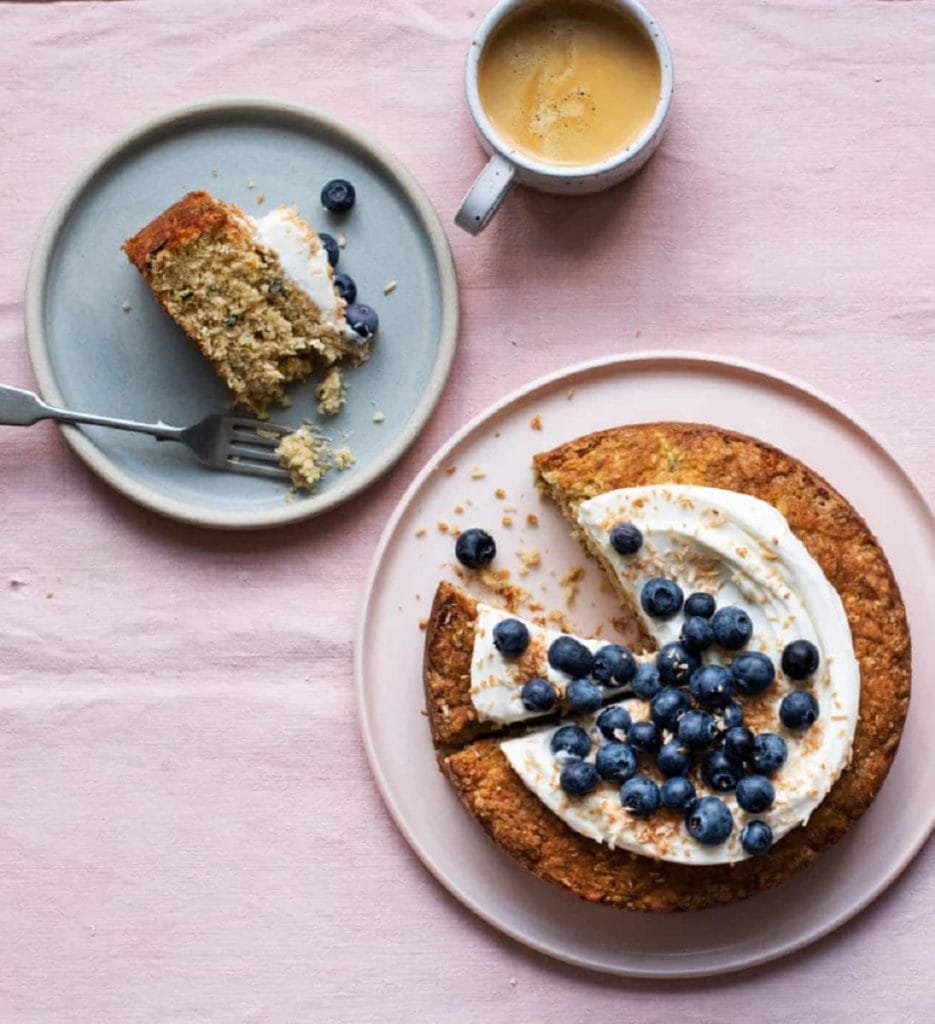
<point>305,261</point>
<point>496,681</point>
<point>742,551</point>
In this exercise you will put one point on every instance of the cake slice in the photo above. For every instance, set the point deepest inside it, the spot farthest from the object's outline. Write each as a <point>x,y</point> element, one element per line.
<point>256,296</point>
<point>471,688</point>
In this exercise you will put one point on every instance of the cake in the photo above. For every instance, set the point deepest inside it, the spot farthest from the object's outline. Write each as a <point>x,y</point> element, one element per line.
<point>257,296</point>
<point>657,799</point>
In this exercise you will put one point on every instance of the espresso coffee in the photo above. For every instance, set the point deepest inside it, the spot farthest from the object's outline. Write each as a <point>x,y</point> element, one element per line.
<point>568,82</point>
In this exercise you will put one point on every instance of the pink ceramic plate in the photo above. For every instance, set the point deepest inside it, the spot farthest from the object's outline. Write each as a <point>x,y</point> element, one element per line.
<point>494,452</point>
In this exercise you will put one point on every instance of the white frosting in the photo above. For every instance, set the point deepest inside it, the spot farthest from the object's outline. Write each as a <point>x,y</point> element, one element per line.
<point>305,261</point>
<point>496,681</point>
<point>741,550</point>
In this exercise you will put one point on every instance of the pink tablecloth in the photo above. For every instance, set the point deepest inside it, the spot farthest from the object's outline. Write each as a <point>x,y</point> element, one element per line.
<point>188,827</point>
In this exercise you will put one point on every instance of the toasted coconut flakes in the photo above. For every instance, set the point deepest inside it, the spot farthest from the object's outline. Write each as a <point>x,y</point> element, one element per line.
<point>536,422</point>
<point>378,416</point>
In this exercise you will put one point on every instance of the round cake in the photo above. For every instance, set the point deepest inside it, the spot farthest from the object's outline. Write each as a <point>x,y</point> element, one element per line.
<point>765,710</point>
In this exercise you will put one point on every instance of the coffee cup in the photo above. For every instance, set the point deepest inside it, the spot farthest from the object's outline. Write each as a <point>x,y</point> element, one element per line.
<point>541,84</point>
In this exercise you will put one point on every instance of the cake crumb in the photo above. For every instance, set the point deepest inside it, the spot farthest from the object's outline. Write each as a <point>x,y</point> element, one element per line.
<point>499,493</point>
<point>389,287</point>
<point>214,172</point>
<point>378,416</point>
<point>49,595</point>
<point>343,458</point>
<point>459,510</point>
<point>423,623</point>
<point>421,532</point>
<point>443,526</point>
<point>570,394</point>
<point>342,240</point>
<point>260,198</point>
<point>449,470</point>
<point>536,422</point>
<point>306,455</point>
<point>251,184</point>
<point>532,519</point>
<point>17,583</point>
<point>530,559</point>
<point>571,581</point>
<point>125,306</point>
<point>512,981</point>
<point>507,520</point>
<point>330,393</point>
<point>477,473</point>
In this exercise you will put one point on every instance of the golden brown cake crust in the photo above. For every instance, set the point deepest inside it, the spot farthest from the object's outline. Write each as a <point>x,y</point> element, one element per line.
<point>852,560</point>
<point>446,667</point>
<point>194,214</point>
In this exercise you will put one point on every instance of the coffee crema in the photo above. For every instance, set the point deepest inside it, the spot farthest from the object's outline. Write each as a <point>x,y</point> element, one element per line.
<point>569,83</point>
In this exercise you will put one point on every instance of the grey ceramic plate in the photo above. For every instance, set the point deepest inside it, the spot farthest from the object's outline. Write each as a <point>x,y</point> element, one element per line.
<point>90,354</point>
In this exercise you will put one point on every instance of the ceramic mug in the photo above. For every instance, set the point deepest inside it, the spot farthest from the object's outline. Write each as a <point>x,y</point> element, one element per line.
<point>507,166</point>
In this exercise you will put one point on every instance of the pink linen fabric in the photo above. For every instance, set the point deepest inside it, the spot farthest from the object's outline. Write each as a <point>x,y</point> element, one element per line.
<point>189,832</point>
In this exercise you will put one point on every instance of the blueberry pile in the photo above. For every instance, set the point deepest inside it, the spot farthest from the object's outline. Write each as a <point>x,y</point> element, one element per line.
<point>696,725</point>
<point>338,196</point>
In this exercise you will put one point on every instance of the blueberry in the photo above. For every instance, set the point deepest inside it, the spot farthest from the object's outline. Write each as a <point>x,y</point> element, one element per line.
<point>731,715</point>
<point>578,778</point>
<point>614,722</point>
<point>626,539</point>
<point>697,728</point>
<point>537,695</point>
<point>615,762</point>
<point>667,707</point>
<point>738,744</point>
<point>732,627</point>
<point>331,248</point>
<point>673,759</point>
<point>799,659</point>
<point>345,286</point>
<point>700,604</point>
<point>677,793</point>
<point>769,753</point>
<point>640,796</point>
<point>756,837</point>
<point>661,598</point>
<point>362,320</point>
<point>583,696</point>
<point>753,672</point>
<point>719,771</point>
<point>709,820</point>
<point>697,634</point>
<point>712,686</point>
<point>572,741</point>
<point>613,665</point>
<point>646,681</point>
<point>676,664</point>
<point>798,710</point>
<point>510,637</point>
<point>475,548</point>
<point>755,793</point>
<point>643,737</point>
<point>338,195</point>
<point>568,655</point>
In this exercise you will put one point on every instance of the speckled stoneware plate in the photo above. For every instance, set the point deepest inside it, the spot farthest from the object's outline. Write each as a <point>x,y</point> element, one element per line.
<point>494,451</point>
<point>91,354</point>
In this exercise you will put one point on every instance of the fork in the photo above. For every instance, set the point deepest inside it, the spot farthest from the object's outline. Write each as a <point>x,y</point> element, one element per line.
<point>232,443</point>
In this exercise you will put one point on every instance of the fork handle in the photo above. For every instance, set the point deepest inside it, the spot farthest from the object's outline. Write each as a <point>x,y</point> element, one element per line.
<point>20,408</point>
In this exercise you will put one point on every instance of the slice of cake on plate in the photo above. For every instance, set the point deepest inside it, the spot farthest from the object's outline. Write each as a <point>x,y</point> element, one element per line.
<point>256,296</point>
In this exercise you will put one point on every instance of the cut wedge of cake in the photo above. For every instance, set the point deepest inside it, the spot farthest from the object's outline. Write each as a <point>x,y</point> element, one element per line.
<point>471,689</point>
<point>256,296</point>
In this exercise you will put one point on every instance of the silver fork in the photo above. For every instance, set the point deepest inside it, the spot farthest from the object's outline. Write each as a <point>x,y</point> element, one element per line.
<point>231,443</point>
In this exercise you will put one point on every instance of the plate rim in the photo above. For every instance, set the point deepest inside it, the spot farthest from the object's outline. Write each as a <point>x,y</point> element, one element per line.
<point>201,111</point>
<point>672,357</point>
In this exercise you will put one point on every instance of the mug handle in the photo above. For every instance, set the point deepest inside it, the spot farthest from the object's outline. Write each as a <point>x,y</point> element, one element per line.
<point>486,194</point>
